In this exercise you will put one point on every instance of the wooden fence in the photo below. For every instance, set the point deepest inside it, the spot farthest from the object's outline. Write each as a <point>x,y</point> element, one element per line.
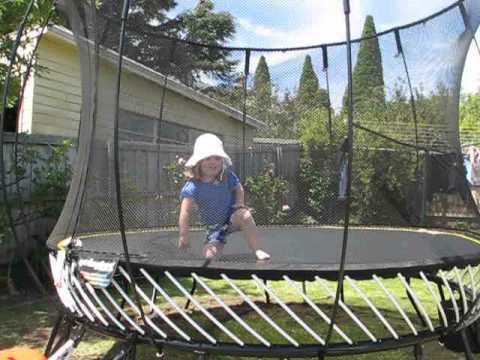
<point>149,192</point>
<point>25,158</point>
<point>151,186</point>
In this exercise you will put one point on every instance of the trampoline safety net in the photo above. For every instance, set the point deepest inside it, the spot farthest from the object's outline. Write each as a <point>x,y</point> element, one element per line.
<point>282,116</point>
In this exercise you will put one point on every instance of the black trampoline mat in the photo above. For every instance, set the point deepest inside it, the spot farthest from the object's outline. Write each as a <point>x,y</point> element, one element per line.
<point>296,250</point>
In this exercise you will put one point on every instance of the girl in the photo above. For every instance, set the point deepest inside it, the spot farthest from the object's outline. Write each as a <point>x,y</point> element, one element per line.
<point>219,196</point>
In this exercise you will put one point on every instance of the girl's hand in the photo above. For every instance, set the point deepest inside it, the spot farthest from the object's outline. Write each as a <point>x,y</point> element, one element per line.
<point>183,243</point>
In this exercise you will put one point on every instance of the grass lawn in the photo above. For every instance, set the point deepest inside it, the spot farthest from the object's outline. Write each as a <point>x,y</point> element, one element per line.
<point>29,322</point>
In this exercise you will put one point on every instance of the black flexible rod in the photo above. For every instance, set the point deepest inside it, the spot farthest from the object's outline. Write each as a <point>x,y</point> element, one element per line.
<point>6,85</point>
<point>92,116</point>
<point>329,104</point>
<point>116,164</point>
<point>410,89</point>
<point>413,107</point>
<point>158,135</point>
<point>244,113</point>
<point>341,272</point>
<point>28,70</point>
<point>133,285</point>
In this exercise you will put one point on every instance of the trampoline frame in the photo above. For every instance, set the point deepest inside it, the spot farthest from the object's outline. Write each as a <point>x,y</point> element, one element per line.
<point>462,287</point>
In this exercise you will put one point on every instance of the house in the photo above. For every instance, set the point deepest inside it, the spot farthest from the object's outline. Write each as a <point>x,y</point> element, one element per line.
<point>53,99</point>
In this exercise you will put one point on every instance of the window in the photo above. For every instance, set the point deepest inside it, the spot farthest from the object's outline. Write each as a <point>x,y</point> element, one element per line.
<point>175,132</point>
<point>137,127</point>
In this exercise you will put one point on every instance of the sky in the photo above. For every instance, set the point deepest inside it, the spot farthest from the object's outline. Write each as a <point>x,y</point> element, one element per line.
<point>293,23</point>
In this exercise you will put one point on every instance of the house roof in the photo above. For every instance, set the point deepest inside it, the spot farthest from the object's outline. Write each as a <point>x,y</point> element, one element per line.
<point>64,35</point>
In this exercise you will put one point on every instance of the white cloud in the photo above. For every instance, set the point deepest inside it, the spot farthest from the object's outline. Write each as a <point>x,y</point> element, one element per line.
<point>412,10</point>
<point>320,22</point>
<point>259,30</point>
<point>314,22</point>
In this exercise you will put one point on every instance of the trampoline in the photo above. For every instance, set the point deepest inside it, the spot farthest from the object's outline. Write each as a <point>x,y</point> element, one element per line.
<point>92,285</point>
<point>300,252</point>
<point>346,170</point>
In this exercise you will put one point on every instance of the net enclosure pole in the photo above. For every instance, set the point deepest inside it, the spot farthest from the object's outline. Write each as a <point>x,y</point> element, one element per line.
<point>6,86</point>
<point>121,46</point>
<point>341,272</point>
<point>244,113</point>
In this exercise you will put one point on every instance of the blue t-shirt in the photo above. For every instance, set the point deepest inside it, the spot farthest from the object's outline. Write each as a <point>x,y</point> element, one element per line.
<point>215,200</point>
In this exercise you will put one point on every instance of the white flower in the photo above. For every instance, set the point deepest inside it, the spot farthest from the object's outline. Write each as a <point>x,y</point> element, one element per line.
<point>285,207</point>
<point>181,161</point>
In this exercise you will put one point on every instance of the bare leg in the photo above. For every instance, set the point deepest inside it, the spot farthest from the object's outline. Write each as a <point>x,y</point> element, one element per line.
<point>242,219</point>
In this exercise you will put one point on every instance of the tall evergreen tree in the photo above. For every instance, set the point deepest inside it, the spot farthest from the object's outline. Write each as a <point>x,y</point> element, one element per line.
<point>310,95</point>
<point>368,83</point>
<point>308,86</point>
<point>322,98</point>
<point>288,116</point>
<point>262,90</point>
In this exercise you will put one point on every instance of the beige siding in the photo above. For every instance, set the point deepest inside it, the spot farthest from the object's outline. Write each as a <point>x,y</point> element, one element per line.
<point>26,110</point>
<point>57,94</point>
<point>144,97</point>
<point>56,104</point>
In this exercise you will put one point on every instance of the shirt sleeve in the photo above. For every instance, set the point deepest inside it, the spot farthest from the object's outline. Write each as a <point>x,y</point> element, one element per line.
<point>232,180</point>
<point>188,189</point>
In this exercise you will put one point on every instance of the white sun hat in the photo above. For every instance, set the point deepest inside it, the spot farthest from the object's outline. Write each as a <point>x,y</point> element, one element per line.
<point>207,145</point>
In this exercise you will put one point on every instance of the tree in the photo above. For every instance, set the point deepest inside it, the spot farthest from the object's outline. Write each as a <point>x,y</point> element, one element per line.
<point>308,86</point>
<point>469,112</point>
<point>11,15</point>
<point>151,37</point>
<point>262,91</point>
<point>228,92</point>
<point>470,119</point>
<point>203,25</point>
<point>310,95</point>
<point>287,116</point>
<point>319,163</point>
<point>368,83</point>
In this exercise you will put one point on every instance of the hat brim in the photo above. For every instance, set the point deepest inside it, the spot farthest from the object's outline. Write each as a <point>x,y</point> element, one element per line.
<point>195,158</point>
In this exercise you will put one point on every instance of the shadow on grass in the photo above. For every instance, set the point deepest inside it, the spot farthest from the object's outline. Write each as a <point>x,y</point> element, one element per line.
<point>30,323</point>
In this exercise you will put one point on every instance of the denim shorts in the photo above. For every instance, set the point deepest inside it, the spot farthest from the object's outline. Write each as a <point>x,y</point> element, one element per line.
<point>218,233</point>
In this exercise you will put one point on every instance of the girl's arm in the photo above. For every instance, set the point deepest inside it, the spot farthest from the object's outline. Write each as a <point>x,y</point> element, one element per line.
<point>184,221</point>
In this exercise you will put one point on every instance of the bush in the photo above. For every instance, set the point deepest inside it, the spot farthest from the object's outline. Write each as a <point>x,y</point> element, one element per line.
<point>51,175</point>
<point>383,172</point>
<point>175,180</point>
<point>320,163</point>
<point>51,181</point>
<point>266,194</point>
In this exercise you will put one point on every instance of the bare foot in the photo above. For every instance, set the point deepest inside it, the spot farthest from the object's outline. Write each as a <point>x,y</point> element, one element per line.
<point>212,250</point>
<point>262,255</point>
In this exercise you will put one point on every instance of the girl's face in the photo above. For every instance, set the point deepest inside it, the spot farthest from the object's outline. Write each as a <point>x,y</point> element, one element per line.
<point>211,166</point>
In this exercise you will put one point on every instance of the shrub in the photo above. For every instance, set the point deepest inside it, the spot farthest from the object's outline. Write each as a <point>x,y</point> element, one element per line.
<point>266,194</point>
<point>383,172</point>
<point>51,180</point>
<point>175,180</point>
<point>51,174</point>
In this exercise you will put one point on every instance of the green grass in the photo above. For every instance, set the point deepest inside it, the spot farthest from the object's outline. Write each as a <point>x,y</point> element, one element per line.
<point>29,323</point>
